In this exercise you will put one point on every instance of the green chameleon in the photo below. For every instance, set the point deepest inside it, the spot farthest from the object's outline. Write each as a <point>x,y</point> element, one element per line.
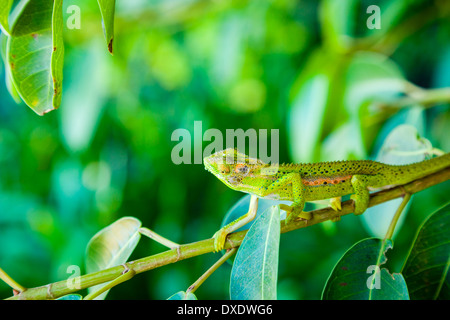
<point>300,183</point>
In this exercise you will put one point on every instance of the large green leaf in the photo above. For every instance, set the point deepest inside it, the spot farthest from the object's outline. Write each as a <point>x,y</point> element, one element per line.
<point>426,268</point>
<point>358,275</point>
<point>5,7</point>
<point>371,76</point>
<point>82,113</point>
<point>338,21</point>
<point>255,268</point>
<point>107,8</point>
<point>315,105</point>
<point>35,53</point>
<point>307,112</point>
<point>112,246</point>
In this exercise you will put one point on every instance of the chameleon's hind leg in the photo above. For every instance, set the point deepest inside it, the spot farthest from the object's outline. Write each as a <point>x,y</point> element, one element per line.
<point>221,235</point>
<point>296,209</point>
<point>361,195</point>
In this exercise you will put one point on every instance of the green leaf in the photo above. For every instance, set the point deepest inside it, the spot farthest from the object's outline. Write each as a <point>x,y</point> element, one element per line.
<point>112,246</point>
<point>426,268</point>
<point>8,77</point>
<point>344,142</point>
<point>35,53</point>
<point>182,295</point>
<point>371,76</point>
<point>5,8</point>
<point>255,268</point>
<point>107,8</point>
<point>72,296</point>
<point>82,113</point>
<point>358,275</point>
<point>338,20</point>
<point>308,108</point>
<point>315,100</point>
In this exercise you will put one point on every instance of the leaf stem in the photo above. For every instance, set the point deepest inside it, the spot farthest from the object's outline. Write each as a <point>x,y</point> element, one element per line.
<point>158,238</point>
<point>424,98</point>
<point>192,288</point>
<point>10,281</point>
<point>128,274</point>
<point>398,213</point>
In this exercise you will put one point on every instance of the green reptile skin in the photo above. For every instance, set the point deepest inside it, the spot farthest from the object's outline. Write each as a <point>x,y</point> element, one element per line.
<point>300,183</point>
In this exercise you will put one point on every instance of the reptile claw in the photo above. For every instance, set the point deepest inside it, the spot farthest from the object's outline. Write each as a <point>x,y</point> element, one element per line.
<point>335,204</point>
<point>219,240</point>
<point>303,215</point>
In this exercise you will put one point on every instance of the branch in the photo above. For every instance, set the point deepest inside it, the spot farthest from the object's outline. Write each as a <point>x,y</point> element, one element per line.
<point>425,98</point>
<point>186,251</point>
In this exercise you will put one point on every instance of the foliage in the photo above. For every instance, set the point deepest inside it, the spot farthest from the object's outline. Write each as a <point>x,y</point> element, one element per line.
<point>255,269</point>
<point>426,268</point>
<point>349,279</point>
<point>112,246</point>
<point>334,89</point>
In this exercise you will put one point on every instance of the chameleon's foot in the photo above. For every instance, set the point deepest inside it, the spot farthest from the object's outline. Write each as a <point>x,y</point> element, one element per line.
<point>361,195</point>
<point>219,239</point>
<point>294,213</point>
<point>221,235</point>
<point>335,204</point>
<point>360,204</point>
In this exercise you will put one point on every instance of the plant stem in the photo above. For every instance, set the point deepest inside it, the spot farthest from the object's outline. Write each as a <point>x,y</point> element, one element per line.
<point>424,98</point>
<point>186,251</point>
<point>213,268</point>
<point>158,238</point>
<point>128,274</point>
<point>398,213</point>
<point>10,281</point>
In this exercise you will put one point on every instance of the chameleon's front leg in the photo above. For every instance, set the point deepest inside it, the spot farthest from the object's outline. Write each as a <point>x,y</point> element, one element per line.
<point>221,235</point>
<point>361,195</point>
<point>297,188</point>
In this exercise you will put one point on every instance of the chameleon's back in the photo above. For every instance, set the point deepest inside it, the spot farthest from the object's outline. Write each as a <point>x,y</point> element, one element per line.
<point>385,174</point>
<point>333,168</point>
<point>320,180</point>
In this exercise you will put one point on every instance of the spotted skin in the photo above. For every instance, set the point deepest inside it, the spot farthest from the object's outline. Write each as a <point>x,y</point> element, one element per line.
<point>300,183</point>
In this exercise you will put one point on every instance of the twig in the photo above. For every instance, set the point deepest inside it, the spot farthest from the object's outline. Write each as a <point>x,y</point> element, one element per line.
<point>398,213</point>
<point>10,281</point>
<point>213,268</point>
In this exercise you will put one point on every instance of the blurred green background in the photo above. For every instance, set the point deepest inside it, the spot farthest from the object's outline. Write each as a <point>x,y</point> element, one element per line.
<point>311,69</point>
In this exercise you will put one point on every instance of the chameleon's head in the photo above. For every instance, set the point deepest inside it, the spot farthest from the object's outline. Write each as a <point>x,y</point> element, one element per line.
<point>230,166</point>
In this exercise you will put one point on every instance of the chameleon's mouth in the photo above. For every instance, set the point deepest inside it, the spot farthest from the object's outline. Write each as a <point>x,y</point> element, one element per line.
<point>233,181</point>
<point>211,162</point>
<point>211,165</point>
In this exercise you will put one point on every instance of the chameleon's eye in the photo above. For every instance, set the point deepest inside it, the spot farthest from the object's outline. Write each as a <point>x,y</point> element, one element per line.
<point>241,168</point>
<point>224,168</point>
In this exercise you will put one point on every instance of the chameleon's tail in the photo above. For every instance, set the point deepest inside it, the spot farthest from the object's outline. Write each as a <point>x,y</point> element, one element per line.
<point>402,174</point>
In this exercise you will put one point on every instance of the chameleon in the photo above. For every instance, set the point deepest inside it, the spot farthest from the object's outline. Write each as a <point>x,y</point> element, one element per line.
<point>300,183</point>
